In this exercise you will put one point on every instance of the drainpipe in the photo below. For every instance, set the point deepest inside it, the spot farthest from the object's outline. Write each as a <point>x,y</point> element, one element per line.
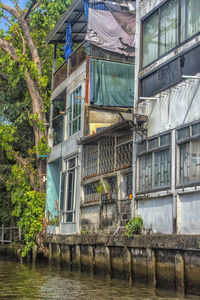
<point>134,158</point>
<point>50,131</point>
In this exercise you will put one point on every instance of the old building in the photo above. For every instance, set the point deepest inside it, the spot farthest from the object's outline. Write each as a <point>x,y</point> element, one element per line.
<point>167,189</point>
<point>92,102</point>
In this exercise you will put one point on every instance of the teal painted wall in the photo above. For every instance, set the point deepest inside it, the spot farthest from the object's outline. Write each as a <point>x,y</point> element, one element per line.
<point>53,180</point>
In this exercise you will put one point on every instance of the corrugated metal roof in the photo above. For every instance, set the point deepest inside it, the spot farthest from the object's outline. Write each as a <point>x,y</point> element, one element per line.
<point>75,13</point>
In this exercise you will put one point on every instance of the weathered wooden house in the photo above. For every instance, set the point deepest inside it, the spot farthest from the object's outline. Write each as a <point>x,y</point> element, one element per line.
<point>89,168</point>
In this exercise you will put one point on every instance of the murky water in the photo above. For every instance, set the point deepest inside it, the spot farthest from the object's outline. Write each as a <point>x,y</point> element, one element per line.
<point>20,281</point>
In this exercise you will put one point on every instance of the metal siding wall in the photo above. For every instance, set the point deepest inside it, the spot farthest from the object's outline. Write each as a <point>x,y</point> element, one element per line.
<point>157,214</point>
<point>190,212</point>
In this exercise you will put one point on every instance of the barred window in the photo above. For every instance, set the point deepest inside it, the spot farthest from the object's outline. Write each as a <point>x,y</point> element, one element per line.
<point>188,140</point>
<point>154,163</point>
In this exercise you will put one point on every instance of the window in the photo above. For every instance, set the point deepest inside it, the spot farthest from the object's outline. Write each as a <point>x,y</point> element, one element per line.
<point>129,184</point>
<point>150,39</point>
<point>170,73</point>
<point>75,111</point>
<point>68,191</point>
<point>188,140</point>
<point>154,164</point>
<point>58,121</point>
<point>161,29</point>
<point>190,18</point>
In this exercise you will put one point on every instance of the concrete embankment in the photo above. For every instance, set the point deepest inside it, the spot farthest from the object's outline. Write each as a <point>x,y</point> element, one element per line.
<point>161,261</point>
<point>158,261</point>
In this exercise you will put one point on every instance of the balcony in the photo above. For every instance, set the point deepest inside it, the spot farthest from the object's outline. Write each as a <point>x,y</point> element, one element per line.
<point>66,69</point>
<point>108,154</point>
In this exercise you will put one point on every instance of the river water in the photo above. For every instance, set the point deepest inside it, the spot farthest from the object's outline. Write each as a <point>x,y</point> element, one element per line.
<point>21,281</point>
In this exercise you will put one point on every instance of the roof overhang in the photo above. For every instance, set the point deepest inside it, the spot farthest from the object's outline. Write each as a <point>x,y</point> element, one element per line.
<point>76,15</point>
<point>123,125</point>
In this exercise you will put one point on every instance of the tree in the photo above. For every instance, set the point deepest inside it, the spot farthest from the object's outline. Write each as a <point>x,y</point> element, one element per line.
<point>24,62</point>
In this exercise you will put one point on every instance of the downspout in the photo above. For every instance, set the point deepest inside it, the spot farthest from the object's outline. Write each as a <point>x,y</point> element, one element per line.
<point>134,157</point>
<point>50,131</point>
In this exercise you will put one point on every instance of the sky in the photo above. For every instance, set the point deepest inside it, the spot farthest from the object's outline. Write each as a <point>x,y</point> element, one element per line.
<point>3,22</point>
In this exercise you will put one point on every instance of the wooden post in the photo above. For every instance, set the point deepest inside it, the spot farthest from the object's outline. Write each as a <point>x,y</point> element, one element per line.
<point>151,267</point>
<point>179,270</point>
<point>108,263</point>
<point>2,233</point>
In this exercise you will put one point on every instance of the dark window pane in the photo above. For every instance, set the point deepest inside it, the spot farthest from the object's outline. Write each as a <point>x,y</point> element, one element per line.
<point>190,21</point>
<point>161,172</point>
<point>69,217</point>
<point>165,139</point>
<point>149,85</point>
<point>129,184</point>
<point>150,39</point>
<point>153,143</point>
<point>190,62</point>
<point>183,133</point>
<point>62,191</point>
<point>168,26</point>
<point>72,163</point>
<point>141,146</point>
<point>168,75</point>
<point>184,164</point>
<point>70,194</point>
<point>196,129</point>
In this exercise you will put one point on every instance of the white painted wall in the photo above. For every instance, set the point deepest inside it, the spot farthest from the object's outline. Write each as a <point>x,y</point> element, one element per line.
<point>157,214</point>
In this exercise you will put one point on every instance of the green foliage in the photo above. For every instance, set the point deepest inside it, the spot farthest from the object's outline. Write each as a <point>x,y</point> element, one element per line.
<point>28,206</point>
<point>103,187</point>
<point>100,188</point>
<point>84,231</point>
<point>134,226</point>
<point>17,118</point>
<point>54,221</point>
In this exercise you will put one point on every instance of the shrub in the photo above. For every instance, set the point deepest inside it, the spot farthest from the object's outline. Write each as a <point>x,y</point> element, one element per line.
<point>134,226</point>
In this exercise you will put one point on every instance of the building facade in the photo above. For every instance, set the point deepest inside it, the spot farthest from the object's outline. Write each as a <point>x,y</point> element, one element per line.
<point>167,189</point>
<point>125,129</point>
<point>91,92</point>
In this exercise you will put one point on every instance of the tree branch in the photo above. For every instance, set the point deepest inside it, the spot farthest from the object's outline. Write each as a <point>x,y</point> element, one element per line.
<point>26,31</point>
<point>24,163</point>
<point>8,48</point>
<point>4,76</point>
<point>33,6</point>
<point>21,36</point>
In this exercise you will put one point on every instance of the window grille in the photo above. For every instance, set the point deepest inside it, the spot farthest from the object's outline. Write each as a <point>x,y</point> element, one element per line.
<point>154,163</point>
<point>188,140</point>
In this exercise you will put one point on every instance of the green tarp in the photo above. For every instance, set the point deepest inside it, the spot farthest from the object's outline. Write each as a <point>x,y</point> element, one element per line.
<point>112,83</point>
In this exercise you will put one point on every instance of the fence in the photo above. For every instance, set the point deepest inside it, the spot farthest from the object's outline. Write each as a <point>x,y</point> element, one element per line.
<point>9,234</point>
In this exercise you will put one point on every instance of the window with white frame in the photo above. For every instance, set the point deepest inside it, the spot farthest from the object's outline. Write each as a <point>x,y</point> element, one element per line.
<point>188,158</point>
<point>154,163</point>
<point>68,191</point>
<point>74,114</point>
<point>171,24</point>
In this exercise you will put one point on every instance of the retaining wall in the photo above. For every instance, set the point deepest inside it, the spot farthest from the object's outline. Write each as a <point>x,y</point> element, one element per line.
<point>161,261</point>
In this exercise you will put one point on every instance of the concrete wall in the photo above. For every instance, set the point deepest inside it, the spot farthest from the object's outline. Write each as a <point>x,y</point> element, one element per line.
<point>159,261</point>
<point>189,210</point>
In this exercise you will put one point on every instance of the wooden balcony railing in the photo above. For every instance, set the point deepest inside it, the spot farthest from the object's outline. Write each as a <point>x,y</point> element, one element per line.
<point>74,61</point>
<point>59,75</point>
<point>110,154</point>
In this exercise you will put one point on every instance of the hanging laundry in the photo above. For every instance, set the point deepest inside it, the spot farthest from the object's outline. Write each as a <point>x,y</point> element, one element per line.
<point>68,41</point>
